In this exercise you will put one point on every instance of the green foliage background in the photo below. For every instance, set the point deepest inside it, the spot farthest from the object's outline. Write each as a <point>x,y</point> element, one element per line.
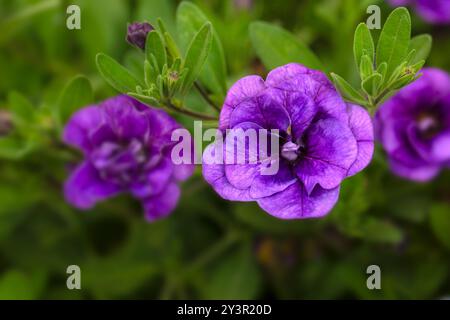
<point>208,248</point>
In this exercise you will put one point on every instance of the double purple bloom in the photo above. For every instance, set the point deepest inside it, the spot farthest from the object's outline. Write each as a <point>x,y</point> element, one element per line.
<point>433,11</point>
<point>322,141</point>
<point>127,147</point>
<point>414,127</point>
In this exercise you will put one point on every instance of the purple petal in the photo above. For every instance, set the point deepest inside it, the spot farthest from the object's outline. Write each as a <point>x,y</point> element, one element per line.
<point>331,149</point>
<point>160,205</point>
<point>262,110</point>
<point>434,11</point>
<point>295,203</point>
<point>393,118</point>
<point>214,174</point>
<point>435,149</point>
<point>155,181</point>
<point>160,132</point>
<point>361,125</point>
<point>126,117</point>
<point>102,134</point>
<point>80,125</point>
<point>244,89</point>
<point>241,176</point>
<point>85,187</point>
<point>314,84</point>
<point>400,2</point>
<point>302,110</point>
<point>182,172</point>
<point>267,185</point>
<point>416,173</point>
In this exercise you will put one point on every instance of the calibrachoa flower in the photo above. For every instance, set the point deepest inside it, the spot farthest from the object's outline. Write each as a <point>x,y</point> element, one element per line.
<point>127,147</point>
<point>414,127</point>
<point>433,11</point>
<point>322,141</point>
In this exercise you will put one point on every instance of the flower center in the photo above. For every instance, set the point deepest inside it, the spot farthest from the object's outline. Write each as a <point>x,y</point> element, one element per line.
<point>428,124</point>
<point>290,151</point>
<point>120,163</point>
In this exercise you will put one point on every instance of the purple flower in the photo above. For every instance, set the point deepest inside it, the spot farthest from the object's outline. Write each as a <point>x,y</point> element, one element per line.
<point>433,11</point>
<point>126,147</point>
<point>414,127</point>
<point>322,141</point>
<point>137,33</point>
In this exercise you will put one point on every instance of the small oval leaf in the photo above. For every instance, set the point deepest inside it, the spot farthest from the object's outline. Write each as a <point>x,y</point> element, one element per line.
<point>115,74</point>
<point>276,47</point>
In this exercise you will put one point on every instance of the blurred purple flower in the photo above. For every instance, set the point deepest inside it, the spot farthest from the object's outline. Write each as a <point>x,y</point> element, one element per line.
<point>322,141</point>
<point>414,127</point>
<point>433,11</point>
<point>127,147</point>
<point>243,4</point>
<point>137,33</point>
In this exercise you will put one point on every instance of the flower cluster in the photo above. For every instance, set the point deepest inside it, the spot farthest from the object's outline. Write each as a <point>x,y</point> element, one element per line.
<point>322,141</point>
<point>414,127</point>
<point>433,11</point>
<point>126,147</point>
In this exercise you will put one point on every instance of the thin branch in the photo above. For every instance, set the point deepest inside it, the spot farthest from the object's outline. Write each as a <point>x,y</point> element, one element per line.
<point>190,113</point>
<point>205,96</point>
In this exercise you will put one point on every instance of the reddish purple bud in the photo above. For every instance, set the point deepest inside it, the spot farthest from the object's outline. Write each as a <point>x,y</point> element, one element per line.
<point>137,33</point>
<point>5,123</point>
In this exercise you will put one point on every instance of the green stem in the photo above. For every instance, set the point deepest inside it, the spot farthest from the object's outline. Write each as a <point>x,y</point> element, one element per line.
<point>188,112</point>
<point>205,96</point>
<point>214,251</point>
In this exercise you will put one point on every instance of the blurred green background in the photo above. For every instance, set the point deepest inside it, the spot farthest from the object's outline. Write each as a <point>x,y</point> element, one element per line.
<point>208,248</point>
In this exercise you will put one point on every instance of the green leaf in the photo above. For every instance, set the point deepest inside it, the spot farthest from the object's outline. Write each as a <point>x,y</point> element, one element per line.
<point>20,19</point>
<point>382,69</point>
<point>235,277</point>
<point>189,19</point>
<point>366,67</point>
<point>381,231</point>
<point>394,40</point>
<point>150,73</point>
<point>155,46</point>
<point>152,10</point>
<point>253,216</point>
<point>76,94</point>
<point>196,55</point>
<point>17,285</point>
<point>115,74</point>
<point>22,110</point>
<point>403,81</point>
<point>14,148</point>
<point>348,92</point>
<point>440,223</point>
<point>398,71</point>
<point>145,99</point>
<point>276,47</point>
<point>422,44</point>
<point>372,83</point>
<point>172,47</point>
<point>416,67</point>
<point>363,43</point>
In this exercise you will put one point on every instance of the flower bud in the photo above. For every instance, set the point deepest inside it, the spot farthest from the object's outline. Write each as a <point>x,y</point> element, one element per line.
<point>137,33</point>
<point>5,123</point>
